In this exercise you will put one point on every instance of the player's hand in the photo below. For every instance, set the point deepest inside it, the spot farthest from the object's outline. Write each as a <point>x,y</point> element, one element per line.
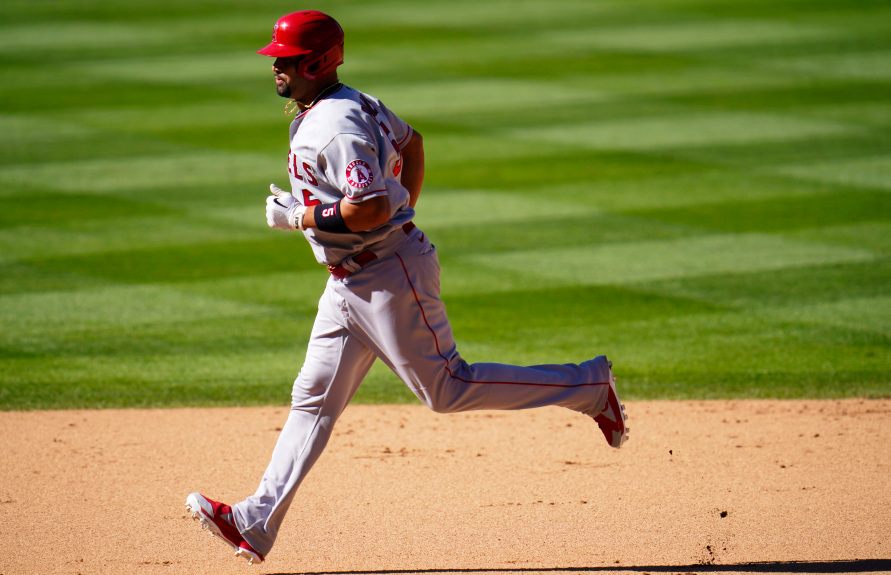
<point>283,211</point>
<point>277,191</point>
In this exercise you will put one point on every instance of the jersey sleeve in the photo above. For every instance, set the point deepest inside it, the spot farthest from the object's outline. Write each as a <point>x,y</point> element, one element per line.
<point>402,132</point>
<point>353,166</point>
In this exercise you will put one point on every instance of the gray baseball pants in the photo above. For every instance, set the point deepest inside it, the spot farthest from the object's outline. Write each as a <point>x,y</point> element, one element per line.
<point>391,310</point>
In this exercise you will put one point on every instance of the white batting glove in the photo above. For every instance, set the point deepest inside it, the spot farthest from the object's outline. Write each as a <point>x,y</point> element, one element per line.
<point>277,191</point>
<point>283,211</point>
<point>284,214</point>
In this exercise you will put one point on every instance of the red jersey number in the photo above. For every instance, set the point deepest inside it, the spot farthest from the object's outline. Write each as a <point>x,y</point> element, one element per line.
<point>309,199</point>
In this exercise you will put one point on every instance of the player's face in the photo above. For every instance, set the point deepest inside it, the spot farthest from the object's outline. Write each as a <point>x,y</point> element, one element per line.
<point>288,83</point>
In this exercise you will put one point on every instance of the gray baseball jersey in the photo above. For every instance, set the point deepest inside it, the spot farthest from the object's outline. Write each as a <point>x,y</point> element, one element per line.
<point>348,146</point>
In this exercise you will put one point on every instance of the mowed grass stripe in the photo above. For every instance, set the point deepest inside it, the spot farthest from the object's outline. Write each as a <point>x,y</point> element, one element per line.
<point>873,172</point>
<point>470,15</point>
<point>80,35</point>
<point>798,96</point>
<point>248,331</point>
<point>186,262</point>
<point>118,235</point>
<point>634,262</point>
<point>184,69</point>
<point>759,358</point>
<point>874,236</point>
<point>869,64</point>
<point>615,182</point>
<point>788,287</point>
<point>569,308</point>
<point>227,377</point>
<point>149,319</point>
<point>780,214</point>
<point>23,97</point>
<point>18,210</point>
<point>29,141</point>
<point>852,315</point>
<point>123,29</point>
<point>112,176</point>
<point>115,305</point>
<point>438,209</point>
<point>481,97</point>
<point>580,231</point>
<point>693,35</point>
<point>701,129</point>
<point>536,175</point>
<point>232,127</point>
<point>784,158</point>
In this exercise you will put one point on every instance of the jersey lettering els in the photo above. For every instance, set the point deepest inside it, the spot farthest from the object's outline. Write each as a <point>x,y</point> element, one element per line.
<point>305,173</point>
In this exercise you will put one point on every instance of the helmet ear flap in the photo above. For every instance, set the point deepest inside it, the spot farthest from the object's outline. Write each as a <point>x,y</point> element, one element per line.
<point>314,68</point>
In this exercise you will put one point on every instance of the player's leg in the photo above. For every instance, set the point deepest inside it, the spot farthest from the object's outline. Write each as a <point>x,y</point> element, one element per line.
<point>410,332</point>
<point>336,362</point>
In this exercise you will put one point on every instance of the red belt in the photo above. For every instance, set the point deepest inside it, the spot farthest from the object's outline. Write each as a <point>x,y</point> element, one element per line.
<point>364,257</point>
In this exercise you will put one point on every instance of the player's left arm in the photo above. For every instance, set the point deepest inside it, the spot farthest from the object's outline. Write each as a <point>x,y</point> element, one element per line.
<point>413,166</point>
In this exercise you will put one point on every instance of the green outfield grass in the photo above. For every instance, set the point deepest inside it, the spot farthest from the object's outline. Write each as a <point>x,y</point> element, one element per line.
<point>700,190</point>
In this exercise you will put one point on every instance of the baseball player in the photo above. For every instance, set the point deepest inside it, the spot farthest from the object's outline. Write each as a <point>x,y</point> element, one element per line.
<point>356,171</point>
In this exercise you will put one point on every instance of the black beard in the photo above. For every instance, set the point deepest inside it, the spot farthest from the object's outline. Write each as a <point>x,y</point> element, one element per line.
<point>284,91</point>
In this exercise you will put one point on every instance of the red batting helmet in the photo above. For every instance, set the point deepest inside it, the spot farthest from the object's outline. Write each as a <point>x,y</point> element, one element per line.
<point>312,34</point>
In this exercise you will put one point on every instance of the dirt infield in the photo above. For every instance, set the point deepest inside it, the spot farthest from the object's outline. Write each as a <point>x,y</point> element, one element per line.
<point>728,487</point>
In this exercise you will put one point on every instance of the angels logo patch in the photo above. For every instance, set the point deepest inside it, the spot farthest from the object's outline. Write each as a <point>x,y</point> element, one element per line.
<point>358,174</point>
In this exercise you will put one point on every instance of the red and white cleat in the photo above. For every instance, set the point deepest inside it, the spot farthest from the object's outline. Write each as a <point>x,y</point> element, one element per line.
<point>612,419</point>
<point>217,517</point>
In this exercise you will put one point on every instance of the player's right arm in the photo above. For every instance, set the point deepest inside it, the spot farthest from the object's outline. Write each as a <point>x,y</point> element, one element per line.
<point>284,212</point>
<point>413,166</point>
<point>359,217</point>
<point>351,216</point>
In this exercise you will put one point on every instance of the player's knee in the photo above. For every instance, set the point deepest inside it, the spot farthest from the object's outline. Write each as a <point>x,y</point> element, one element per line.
<point>443,407</point>
<point>437,401</point>
<point>453,400</point>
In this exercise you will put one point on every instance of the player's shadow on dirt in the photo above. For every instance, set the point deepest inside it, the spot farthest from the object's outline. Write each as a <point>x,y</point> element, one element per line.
<point>850,566</point>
